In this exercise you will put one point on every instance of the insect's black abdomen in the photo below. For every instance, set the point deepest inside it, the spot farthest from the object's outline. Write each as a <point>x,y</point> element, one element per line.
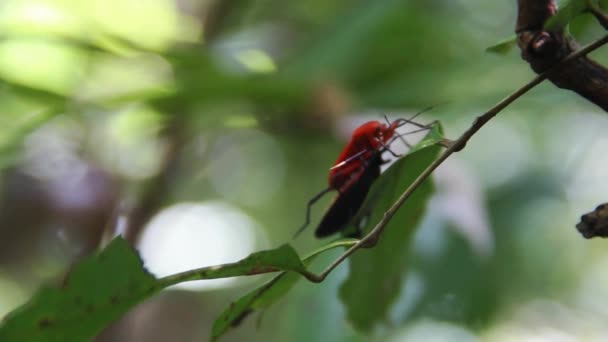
<point>346,205</point>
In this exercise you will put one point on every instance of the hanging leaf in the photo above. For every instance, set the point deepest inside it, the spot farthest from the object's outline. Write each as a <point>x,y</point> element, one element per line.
<point>376,274</point>
<point>266,295</point>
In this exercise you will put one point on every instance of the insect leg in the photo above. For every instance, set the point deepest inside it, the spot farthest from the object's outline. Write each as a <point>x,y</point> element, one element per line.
<point>308,206</point>
<point>386,147</point>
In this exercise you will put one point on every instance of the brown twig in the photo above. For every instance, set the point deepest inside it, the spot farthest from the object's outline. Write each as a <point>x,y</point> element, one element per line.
<point>595,223</point>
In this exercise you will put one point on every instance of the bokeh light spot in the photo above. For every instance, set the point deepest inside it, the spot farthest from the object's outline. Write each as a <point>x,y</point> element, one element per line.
<point>192,235</point>
<point>248,167</point>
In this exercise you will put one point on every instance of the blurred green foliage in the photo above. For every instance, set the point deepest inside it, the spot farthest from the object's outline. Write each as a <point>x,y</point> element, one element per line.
<point>165,102</point>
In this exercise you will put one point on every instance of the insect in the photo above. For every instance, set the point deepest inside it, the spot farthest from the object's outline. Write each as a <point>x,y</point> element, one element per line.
<point>354,172</point>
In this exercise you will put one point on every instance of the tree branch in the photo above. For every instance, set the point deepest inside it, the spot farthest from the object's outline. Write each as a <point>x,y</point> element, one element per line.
<point>372,237</point>
<point>543,49</point>
<point>594,223</point>
<point>597,12</point>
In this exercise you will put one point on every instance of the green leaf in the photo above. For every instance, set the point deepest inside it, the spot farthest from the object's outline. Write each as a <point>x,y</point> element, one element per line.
<point>97,291</point>
<point>101,288</point>
<point>567,11</point>
<point>376,274</point>
<point>504,46</point>
<point>432,138</point>
<point>283,258</point>
<point>267,294</point>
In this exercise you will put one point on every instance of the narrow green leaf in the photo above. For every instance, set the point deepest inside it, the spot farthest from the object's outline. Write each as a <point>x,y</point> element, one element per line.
<point>97,291</point>
<point>504,46</point>
<point>376,274</point>
<point>283,258</point>
<point>267,294</point>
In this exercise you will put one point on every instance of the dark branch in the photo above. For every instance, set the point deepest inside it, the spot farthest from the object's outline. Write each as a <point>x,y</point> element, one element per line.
<point>599,15</point>
<point>594,223</point>
<point>542,49</point>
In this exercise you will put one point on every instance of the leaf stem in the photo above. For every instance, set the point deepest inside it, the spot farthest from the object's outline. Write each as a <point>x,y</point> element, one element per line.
<point>207,272</point>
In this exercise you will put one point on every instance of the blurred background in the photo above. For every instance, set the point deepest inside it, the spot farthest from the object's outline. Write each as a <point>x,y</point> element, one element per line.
<point>199,129</point>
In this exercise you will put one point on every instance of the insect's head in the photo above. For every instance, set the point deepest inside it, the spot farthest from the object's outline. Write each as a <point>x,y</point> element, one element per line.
<point>390,127</point>
<point>385,131</point>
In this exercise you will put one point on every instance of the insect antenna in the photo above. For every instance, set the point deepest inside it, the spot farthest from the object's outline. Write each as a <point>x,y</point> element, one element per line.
<point>401,122</point>
<point>401,137</point>
<point>410,120</point>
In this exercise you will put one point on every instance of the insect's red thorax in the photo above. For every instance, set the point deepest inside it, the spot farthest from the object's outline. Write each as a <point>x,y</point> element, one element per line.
<point>367,138</point>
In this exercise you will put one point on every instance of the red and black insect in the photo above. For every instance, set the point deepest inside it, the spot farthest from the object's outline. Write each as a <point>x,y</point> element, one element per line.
<point>354,172</point>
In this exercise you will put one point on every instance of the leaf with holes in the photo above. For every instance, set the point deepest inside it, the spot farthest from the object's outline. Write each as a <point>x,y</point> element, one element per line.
<point>97,291</point>
<point>103,287</point>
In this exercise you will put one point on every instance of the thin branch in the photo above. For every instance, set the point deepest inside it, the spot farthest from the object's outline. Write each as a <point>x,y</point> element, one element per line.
<point>371,238</point>
<point>600,15</point>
